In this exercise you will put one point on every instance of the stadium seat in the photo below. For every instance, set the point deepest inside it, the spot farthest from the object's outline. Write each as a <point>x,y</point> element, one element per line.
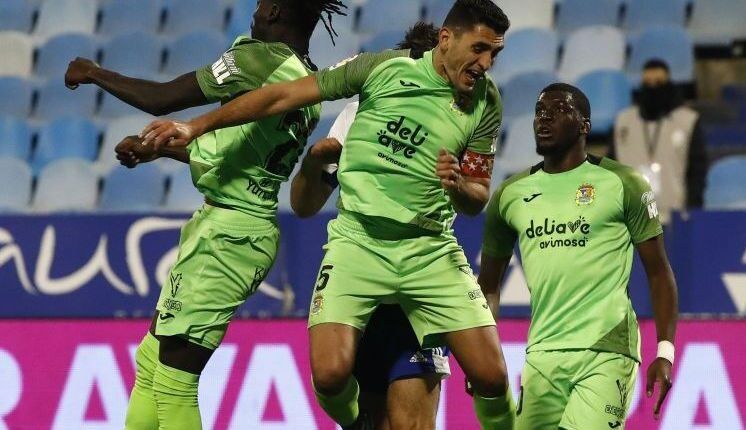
<point>717,22</point>
<point>725,181</point>
<point>133,190</point>
<point>519,149</point>
<point>591,48</point>
<point>115,131</point>
<point>528,13</point>
<point>57,100</point>
<point>134,54</point>
<point>112,107</point>
<point>642,14</point>
<point>182,195</point>
<point>520,93</point>
<point>17,53</point>
<point>575,14</point>
<point>193,51</point>
<point>15,138</point>
<point>15,184</point>
<point>67,137</point>
<point>324,54</point>
<point>129,16</point>
<point>66,185</point>
<point>388,15</point>
<point>184,16</point>
<point>526,50</point>
<point>382,41</point>
<point>16,15</point>
<point>66,16</point>
<point>670,44</point>
<point>436,11</point>
<point>608,92</point>
<point>54,56</point>
<point>242,14</point>
<point>16,97</point>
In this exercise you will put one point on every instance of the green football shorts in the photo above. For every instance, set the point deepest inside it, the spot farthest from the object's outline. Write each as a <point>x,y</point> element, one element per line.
<point>575,390</point>
<point>426,274</point>
<point>224,255</point>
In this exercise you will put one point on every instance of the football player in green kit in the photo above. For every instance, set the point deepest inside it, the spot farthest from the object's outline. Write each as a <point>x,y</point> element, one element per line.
<point>420,150</point>
<point>230,243</point>
<point>577,220</point>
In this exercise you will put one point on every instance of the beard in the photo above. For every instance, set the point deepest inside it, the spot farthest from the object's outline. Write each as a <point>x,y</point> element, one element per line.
<point>657,102</point>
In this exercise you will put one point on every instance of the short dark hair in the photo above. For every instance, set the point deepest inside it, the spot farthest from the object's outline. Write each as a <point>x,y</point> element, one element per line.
<point>421,37</point>
<point>468,13</point>
<point>656,63</point>
<point>581,101</point>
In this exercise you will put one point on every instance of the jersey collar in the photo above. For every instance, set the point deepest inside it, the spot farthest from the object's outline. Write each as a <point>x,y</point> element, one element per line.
<point>427,59</point>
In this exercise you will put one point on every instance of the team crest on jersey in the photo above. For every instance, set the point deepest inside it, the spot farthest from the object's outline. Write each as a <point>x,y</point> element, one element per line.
<point>585,195</point>
<point>317,305</point>
<point>456,107</point>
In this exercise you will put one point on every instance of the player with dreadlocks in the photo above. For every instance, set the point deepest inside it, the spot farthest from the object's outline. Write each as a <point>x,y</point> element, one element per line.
<point>229,245</point>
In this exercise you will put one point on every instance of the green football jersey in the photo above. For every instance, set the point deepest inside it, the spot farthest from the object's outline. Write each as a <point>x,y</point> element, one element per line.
<point>243,166</point>
<point>576,232</point>
<point>407,113</point>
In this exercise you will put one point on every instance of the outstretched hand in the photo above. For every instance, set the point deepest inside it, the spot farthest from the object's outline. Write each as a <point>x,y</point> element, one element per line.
<point>164,132</point>
<point>131,151</point>
<point>659,372</point>
<point>78,72</point>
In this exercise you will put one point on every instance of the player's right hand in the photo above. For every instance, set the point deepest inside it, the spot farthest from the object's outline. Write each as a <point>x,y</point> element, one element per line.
<point>131,151</point>
<point>168,133</point>
<point>78,72</point>
<point>326,151</point>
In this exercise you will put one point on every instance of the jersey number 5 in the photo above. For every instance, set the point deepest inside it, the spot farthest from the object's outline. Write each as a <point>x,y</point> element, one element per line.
<point>323,277</point>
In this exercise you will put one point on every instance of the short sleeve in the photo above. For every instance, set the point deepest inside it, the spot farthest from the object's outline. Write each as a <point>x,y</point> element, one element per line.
<point>243,68</point>
<point>640,208</point>
<point>499,238</point>
<point>347,78</point>
<point>484,137</point>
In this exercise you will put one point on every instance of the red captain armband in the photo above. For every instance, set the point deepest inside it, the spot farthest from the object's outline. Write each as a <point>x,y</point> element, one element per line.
<point>476,165</point>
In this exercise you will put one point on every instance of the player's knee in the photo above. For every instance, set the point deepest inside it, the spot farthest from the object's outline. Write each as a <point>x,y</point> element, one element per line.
<point>330,378</point>
<point>492,382</point>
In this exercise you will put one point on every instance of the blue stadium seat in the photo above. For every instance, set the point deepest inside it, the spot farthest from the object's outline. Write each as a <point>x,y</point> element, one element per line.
<point>15,184</point>
<point>66,16</point>
<point>182,195</point>
<point>67,137</point>
<point>57,100</point>
<point>194,50</point>
<point>69,185</point>
<point>526,50</point>
<point>717,22</point>
<point>388,15</point>
<point>183,16</point>
<point>528,13</point>
<point>725,181</point>
<point>16,97</point>
<point>671,44</point>
<point>242,14</point>
<point>129,16</point>
<point>56,54</point>
<point>609,92</point>
<point>17,53</point>
<point>519,150</point>
<point>133,54</point>
<point>576,14</point>
<point>112,107</point>
<point>15,138</point>
<point>642,14</point>
<point>133,190</point>
<point>324,54</point>
<point>520,93</point>
<point>16,15</point>
<point>382,41</point>
<point>592,48</point>
<point>436,11</point>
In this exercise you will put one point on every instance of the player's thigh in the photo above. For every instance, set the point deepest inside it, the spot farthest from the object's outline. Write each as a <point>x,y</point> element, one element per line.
<point>543,393</point>
<point>218,267</point>
<point>332,349</point>
<point>439,293</point>
<point>601,398</point>
<point>412,403</point>
<point>478,353</point>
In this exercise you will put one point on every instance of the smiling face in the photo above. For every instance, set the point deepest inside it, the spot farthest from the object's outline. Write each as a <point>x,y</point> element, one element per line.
<point>558,123</point>
<point>468,54</point>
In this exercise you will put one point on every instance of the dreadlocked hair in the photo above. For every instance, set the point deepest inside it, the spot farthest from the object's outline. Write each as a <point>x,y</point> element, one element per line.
<point>324,9</point>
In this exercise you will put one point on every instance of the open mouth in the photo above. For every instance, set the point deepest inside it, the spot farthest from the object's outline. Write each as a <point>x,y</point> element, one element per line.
<point>472,76</point>
<point>544,132</point>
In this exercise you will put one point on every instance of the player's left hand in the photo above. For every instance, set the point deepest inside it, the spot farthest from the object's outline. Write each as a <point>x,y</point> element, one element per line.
<point>131,152</point>
<point>448,170</point>
<point>168,133</point>
<point>659,372</point>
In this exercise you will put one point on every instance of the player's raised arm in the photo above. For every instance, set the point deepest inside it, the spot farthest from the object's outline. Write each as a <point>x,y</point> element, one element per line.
<point>314,183</point>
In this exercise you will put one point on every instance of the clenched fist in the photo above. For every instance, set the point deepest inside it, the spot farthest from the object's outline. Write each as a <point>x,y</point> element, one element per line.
<point>131,151</point>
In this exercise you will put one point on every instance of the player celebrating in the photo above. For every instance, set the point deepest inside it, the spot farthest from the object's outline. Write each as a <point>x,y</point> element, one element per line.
<point>399,381</point>
<point>576,219</point>
<point>229,245</point>
<point>400,187</point>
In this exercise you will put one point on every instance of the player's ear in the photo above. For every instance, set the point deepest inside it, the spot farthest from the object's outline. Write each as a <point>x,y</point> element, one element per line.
<point>585,126</point>
<point>274,12</point>
<point>445,36</point>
